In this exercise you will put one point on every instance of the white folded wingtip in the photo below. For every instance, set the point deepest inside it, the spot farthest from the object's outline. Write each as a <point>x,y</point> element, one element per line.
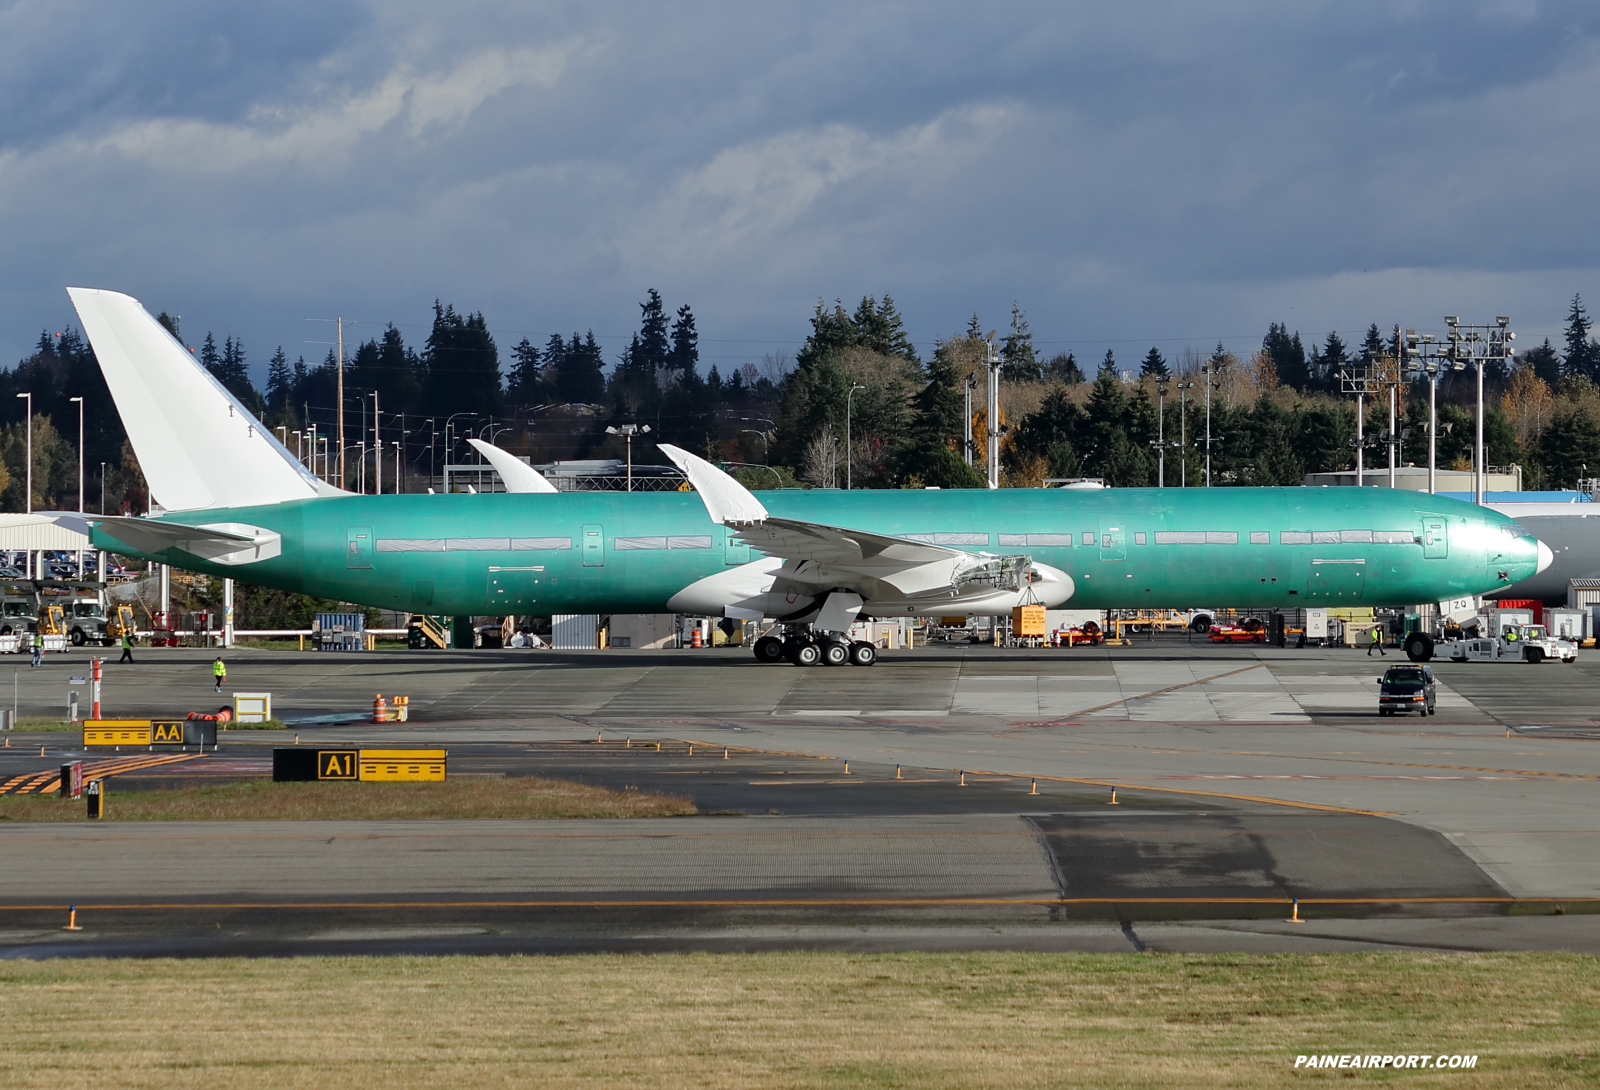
<point>727,501</point>
<point>518,475</point>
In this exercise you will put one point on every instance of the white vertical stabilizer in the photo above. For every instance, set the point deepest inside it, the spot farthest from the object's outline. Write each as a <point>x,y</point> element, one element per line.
<point>198,447</point>
<point>518,475</point>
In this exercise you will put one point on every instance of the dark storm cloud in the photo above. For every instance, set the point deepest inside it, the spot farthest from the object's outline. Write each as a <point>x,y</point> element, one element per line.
<point>1129,173</point>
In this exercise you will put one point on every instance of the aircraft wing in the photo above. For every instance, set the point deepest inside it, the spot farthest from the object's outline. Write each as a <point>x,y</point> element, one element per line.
<point>881,568</point>
<point>518,475</point>
<point>732,504</point>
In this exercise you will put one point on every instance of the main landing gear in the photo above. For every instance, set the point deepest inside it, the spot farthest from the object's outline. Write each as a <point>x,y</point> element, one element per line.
<point>804,646</point>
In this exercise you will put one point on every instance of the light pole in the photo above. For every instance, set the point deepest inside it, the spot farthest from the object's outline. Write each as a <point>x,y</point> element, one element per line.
<point>79,400</point>
<point>628,431</point>
<point>1161,436</point>
<point>399,455</point>
<point>753,431</point>
<point>1210,373</point>
<point>102,488</point>
<point>992,358</point>
<point>968,386</point>
<point>1183,432</point>
<point>29,484</point>
<point>849,454</point>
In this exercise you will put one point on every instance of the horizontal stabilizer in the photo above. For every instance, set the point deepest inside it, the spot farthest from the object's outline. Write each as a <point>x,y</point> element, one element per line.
<point>518,475</point>
<point>220,543</point>
<point>197,445</point>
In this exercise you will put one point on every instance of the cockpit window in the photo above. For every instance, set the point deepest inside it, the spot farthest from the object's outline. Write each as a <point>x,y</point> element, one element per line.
<point>1514,529</point>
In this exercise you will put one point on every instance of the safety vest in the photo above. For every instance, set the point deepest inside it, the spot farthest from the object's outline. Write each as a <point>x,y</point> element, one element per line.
<point>219,669</point>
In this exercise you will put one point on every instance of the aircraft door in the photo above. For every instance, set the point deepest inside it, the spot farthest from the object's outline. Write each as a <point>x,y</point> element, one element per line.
<point>1435,538</point>
<point>358,547</point>
<point>594,546</point>
<point>512,590</point>
<point>1113,540</point>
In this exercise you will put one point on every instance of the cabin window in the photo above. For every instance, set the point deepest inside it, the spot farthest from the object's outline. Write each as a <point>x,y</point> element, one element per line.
<point>695,542</point>
<point>541,543</point>
<point>1355,536</point>
<point>1394,537</point>
<point>1180,537</point>
<point>1222,537</point>
<point>1324,537</point>
<point>1260,537</point>
<point>1038,541</point>
<point>411,545</point>
<point>1294,537</point>
<point>951,538</point>
<point>1088,537</point>
<point>1138,539</point>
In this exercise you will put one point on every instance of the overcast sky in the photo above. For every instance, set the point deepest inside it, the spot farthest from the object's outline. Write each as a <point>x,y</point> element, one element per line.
<point>1169,172</point>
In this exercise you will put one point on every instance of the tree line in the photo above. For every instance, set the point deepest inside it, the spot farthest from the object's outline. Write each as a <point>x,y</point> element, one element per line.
<point>858,403</point>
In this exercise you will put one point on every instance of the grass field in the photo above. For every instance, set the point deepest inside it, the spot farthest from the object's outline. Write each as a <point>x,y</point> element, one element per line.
<point>464,797</point>
<point>795,1020</point>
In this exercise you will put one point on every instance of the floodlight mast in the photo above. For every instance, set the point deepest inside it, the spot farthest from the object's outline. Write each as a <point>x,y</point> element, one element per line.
<point>628,431</point>
<point>1464,345</point>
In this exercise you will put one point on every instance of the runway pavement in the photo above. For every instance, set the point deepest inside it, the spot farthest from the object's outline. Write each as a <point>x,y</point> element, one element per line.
<point>1242,771</point>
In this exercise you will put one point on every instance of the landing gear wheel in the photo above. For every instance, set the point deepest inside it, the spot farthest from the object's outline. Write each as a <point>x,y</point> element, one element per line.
<point>769,649</point>
<point>863,653</point>
<point>1419,647</point>
<point>805,653</point>
<point>835,653</point>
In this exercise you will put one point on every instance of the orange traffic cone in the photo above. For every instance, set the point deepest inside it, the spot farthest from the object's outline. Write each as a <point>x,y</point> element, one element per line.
<point>696,641</point>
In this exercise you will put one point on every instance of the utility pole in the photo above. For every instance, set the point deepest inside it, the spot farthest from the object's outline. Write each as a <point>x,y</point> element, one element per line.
<point>992,358</point>
<point>339,396</point>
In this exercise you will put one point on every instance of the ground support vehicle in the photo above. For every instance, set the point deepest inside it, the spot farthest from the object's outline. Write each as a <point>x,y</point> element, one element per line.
<point>1518,643</point>
<point>1250,630</point>
<point>1408,689</point>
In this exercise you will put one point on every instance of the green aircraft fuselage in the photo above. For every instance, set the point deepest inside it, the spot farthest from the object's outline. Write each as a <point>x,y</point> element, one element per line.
<point>588,552</point>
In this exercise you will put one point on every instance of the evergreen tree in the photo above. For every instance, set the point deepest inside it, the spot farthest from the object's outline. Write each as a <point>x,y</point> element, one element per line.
<point>934,456</point>
<point>229,369</point>
<point>1288,356</point>
<point>170,324</point>
<point>577,367</point>
<point>210,358</point>
<point>1016,351</point>
<point>523,385</point>
<point>1583,355</point>
<point>1330,361</point>
<point>280,382</point>
<point>1545,362</point>
<point>1108,366</point>
<point>651,349</point>
<point>1063,367</point>
<point>684,356</point>
<point>1374,346</point>
<point>1155,365</point>
<point>1219,358</point>
<point>1570,442</point>
<point>463,364</point>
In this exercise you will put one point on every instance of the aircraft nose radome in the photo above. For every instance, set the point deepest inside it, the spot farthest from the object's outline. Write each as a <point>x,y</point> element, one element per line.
<point>1546,558</point>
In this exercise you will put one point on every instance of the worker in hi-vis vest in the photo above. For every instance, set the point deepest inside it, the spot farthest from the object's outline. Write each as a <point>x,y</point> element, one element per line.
<point>220,672</point>
<point>1377,643</point>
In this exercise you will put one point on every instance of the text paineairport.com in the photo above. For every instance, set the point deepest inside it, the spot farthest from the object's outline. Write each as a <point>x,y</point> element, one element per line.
<point>1430,1061</point>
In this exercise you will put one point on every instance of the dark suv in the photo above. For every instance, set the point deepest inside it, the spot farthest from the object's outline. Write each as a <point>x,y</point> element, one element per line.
<point>1407,689</point>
